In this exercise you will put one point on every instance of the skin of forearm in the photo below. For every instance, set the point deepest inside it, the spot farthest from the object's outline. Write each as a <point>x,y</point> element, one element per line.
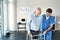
<point>49,27</point>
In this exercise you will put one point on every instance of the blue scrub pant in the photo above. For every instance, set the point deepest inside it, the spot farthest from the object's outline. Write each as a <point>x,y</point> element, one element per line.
<point>48,36</point>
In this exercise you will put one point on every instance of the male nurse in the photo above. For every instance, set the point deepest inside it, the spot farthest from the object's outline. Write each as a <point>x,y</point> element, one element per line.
<point>47,24</point>
<point>34,22</point>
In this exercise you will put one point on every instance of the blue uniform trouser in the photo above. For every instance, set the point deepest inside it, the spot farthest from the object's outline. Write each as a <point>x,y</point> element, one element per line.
<point>48,35</point>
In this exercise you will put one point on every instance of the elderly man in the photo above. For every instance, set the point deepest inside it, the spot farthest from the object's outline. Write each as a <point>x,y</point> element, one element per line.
<point>34,22</point>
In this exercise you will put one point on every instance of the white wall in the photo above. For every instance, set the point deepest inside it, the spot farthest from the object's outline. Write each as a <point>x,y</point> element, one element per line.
<point>44,4</point>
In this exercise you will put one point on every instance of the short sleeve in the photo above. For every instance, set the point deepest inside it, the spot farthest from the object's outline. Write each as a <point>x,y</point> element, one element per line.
<point>52,20</point>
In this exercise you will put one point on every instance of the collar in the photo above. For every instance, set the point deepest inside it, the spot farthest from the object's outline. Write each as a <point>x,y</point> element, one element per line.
<point>37,16</point>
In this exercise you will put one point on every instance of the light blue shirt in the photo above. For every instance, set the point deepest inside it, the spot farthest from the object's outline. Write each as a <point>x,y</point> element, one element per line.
<point>34,23</point>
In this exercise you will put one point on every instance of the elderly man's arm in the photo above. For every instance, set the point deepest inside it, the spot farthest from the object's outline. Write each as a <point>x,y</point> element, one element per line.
<point>28,25</point>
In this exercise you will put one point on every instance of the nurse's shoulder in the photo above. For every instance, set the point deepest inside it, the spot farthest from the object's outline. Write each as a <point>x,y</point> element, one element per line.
<point>52,16</point>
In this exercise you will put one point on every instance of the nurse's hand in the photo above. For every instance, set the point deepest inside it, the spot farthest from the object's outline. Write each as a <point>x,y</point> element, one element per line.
<point>44,32</point>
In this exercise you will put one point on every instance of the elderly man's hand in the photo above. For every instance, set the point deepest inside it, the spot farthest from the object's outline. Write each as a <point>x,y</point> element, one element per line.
<point>29,33</point>
<point>41,31</point>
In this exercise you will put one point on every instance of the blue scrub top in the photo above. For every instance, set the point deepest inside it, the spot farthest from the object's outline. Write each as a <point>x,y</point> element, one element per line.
<point>47,22</point>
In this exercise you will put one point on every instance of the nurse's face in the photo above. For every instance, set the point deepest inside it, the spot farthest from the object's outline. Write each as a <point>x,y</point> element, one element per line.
<point>48,14</point>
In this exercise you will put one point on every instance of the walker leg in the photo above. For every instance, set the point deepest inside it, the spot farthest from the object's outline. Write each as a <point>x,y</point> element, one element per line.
<point>31,37</point>
<point>27,37</point>
<point>44,37</point>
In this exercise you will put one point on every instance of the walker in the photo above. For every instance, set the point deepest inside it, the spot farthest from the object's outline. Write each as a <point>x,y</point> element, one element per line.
<point>40,37</point>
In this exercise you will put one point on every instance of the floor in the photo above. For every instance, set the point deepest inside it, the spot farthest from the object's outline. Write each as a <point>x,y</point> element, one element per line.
<point>16,36</point>
<point>22,36</point>
<point>13,36</point>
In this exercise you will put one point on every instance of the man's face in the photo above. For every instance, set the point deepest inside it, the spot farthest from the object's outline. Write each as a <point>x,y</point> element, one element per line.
<point>38,12</point>
<point>48,14</point>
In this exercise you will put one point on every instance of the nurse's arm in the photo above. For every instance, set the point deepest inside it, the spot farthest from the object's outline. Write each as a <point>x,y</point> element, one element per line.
<point>49,28</point>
